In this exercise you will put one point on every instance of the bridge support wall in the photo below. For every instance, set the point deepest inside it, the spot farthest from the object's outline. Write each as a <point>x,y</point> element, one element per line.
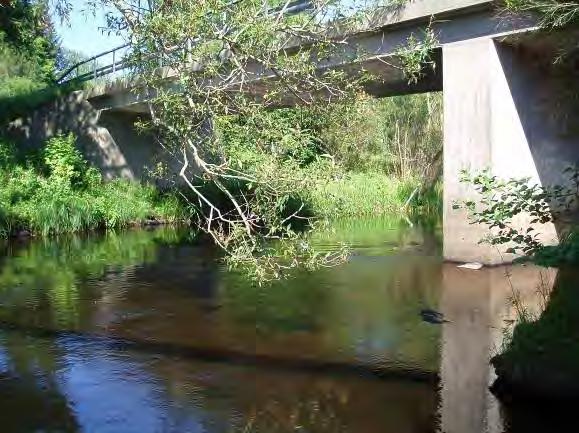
<point>108,139</point>
<point>502,111</point>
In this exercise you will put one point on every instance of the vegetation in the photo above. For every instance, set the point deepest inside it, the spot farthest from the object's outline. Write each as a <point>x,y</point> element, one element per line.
<point>371,194</point>
<point>540,358</point>
<point>27,35</point>
<point>28,57</point>
<point>254,169</point>
<point>363,158</point>
<point>57,192</point>
<point>553,13</point>
<point>265,174</point>
<point>501,202</point>
<point>54,190</point>
<point>415,56</point>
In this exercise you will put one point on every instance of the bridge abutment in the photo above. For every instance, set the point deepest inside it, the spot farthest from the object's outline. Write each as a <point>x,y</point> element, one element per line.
<point>499,106</point>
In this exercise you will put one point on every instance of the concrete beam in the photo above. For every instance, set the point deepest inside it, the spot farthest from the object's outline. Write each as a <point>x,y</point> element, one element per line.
<point>372,46</point>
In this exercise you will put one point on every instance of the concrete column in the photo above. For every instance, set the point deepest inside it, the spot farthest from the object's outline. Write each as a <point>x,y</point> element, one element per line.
<point>498,106</point>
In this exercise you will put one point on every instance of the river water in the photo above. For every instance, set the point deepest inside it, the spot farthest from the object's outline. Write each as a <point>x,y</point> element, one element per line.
<point>145,331</point>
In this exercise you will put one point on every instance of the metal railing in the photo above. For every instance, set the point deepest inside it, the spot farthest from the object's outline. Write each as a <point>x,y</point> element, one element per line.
<point>91,68</point>
<point>100,65</point>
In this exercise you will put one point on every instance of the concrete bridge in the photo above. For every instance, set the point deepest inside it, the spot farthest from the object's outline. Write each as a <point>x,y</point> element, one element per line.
<point>504,106</point>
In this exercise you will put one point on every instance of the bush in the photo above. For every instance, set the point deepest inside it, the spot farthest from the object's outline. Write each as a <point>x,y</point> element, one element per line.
<point>371,194</point>
<point>60,193</point>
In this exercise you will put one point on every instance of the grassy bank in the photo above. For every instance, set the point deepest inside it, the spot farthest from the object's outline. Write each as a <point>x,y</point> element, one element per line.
<point>55,191</point>
<point>359,159</point>
<point>541,358</point>
<point>372,194</point>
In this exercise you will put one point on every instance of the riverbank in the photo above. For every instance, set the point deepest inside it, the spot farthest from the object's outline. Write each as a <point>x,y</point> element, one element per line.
<point>55,191</point>
<point>540,362</point>
<point>373,194</point>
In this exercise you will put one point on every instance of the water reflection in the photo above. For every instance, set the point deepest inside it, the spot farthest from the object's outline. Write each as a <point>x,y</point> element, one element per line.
<point>146,332</point>
<point>480,306</point>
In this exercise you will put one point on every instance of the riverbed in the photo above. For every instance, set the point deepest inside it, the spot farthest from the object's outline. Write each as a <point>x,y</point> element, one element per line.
<point>146,331</point>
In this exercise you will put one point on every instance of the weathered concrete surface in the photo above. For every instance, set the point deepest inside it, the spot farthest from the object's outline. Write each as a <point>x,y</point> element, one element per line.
<point>107,139</point>
<point>503,110</point>
<point>372,46</point>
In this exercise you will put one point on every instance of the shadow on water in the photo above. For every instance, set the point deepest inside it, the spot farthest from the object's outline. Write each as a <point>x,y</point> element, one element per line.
<point>145,331</point>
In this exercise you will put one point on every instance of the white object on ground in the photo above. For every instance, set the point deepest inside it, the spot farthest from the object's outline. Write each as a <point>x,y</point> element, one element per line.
<point>473,265</point>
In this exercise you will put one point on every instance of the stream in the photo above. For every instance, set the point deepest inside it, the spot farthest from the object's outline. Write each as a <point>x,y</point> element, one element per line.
<point>146,331</point>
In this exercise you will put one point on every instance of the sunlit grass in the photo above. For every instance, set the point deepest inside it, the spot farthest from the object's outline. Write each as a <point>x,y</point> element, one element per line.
<point>371,194</point>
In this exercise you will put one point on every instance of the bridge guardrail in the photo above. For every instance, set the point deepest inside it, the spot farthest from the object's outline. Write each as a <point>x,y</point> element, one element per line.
<point>119,59</point>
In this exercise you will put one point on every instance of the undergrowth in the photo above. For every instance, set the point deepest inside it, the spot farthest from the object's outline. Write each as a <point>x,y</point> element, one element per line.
<point>367,194</point>
<point>57,191</point>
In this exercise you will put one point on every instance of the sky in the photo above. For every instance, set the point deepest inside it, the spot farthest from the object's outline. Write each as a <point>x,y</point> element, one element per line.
<point>82,33</point>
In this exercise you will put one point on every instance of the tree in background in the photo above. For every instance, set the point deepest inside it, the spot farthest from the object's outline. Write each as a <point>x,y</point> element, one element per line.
<point>25,27</point>
<point>28,48</point>
<point>237,58</point>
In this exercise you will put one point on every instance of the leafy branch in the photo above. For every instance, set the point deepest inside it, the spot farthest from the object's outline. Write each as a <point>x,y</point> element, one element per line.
<point>415,55</point>
<point>501,201</point>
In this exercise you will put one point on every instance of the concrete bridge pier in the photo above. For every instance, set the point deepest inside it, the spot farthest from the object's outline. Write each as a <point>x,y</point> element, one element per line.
<point>503,110</point>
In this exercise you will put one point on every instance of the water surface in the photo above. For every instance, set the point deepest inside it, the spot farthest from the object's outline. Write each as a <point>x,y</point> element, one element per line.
<point>145,331</point>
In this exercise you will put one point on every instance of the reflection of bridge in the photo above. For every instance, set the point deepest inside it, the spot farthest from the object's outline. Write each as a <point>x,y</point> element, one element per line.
<point>501,104</point>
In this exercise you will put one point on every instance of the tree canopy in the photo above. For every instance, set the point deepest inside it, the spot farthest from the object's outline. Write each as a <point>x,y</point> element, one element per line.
<point>26,29</point>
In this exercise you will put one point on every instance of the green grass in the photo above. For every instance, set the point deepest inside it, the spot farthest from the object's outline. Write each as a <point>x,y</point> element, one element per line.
<point>370,194</point>
<point>59,193</point>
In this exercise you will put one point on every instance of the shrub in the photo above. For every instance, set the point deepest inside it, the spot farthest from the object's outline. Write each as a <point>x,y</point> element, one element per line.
<point>61,193</point>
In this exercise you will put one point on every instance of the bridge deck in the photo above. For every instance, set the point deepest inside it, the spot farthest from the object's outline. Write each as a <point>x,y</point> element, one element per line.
<point>380,37</point>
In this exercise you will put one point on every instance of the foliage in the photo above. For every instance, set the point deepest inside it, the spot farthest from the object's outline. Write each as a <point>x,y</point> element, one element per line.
<point>399,136</point>
<point>553,13</point>
<point>25,27</point>
<point>564,254</point>
<point>415,56</point>
<point>232,42</point>
<point>501,201</point>
<point>60,193</point>
<point>246,183</point>
<point>356,159</point>
<point>28,56</point>
<point>369,194</point>
<point>18,74</point>
<point>542,355</point>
